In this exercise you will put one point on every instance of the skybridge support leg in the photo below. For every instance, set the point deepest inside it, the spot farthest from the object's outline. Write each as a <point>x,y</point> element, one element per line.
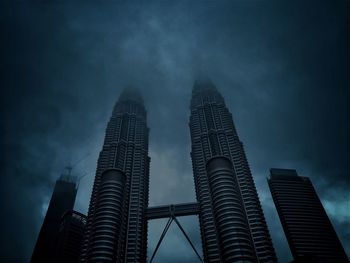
<point>188,239</point>
<point>166,228</point>
<point>161,237</point>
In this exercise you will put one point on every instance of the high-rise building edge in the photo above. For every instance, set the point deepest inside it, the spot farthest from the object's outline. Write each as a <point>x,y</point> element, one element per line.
<point>310,234</point>
<point>213,134</point>
<point>62,200</point>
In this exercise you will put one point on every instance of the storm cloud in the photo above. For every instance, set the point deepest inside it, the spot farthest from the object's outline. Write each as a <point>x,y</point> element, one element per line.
<point>282,67</point>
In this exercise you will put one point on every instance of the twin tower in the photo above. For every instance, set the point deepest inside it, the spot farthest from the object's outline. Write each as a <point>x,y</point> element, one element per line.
<point>232,223</point>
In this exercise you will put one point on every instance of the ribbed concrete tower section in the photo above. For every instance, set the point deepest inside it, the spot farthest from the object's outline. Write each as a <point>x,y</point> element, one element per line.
<point>125,148</point>
<point>213,134</point>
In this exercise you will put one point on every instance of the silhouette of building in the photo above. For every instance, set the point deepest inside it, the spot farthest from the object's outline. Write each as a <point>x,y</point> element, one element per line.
<point>310,234</point>
<point>116,228</point>
<point>62,200</point>
<point>70,237</point>
<point>232,222</point>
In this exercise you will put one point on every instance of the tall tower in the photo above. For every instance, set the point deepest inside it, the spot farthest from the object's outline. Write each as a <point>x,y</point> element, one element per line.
<point>120,191</point>
<point>62,200</point>
<point>310,234</point>
<point>218,160</point>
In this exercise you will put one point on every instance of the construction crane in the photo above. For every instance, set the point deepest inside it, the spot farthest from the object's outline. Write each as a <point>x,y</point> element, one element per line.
<point>68,175</point>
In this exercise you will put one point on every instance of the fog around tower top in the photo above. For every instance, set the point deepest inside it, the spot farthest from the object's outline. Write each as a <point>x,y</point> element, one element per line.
<point>282,69</point>
<point>203,84</point>
<point>131,93</point>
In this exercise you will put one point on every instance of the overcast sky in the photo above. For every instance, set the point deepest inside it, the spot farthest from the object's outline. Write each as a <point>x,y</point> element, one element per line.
<point>282,66</point>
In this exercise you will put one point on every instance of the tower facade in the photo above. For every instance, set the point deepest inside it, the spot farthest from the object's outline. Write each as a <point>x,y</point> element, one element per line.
<point>70,237</point>
<point>62,200</point>
<point>121,185</point>
<point>310,234</point>
<point>213,134</point>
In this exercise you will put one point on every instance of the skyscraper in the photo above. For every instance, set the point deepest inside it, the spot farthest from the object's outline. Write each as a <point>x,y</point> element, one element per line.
<point>69,237</point>
<point>62,200</point>
<point>122,175</point>
<point>219,160</point>
<point>310,234</point>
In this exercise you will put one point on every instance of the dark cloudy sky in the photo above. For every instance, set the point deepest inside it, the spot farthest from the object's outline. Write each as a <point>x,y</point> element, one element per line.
<point>282,66</point>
